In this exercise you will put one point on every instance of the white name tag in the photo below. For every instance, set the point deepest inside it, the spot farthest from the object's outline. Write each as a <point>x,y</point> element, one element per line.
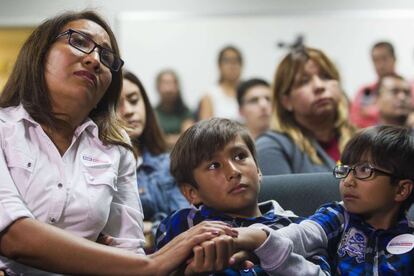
<point>401,244</point>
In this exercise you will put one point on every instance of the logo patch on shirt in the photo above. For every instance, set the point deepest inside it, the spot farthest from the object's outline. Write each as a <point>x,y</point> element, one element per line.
<point>353,244</point>
<point>90,159</point>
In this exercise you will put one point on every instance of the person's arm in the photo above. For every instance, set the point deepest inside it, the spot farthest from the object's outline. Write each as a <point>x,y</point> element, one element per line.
<point>277,254</point>
<point>53,249</point>
<point>271,157</point>
<point>125,221</point>
<point>206,108</point>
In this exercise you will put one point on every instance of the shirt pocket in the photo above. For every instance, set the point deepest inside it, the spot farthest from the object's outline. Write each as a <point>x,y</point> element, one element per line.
<point>20,165</point>
<point>101,186</point>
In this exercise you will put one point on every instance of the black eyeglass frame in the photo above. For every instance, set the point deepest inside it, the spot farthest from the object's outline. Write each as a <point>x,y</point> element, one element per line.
<point>69,33</point>
<point>352,168</point>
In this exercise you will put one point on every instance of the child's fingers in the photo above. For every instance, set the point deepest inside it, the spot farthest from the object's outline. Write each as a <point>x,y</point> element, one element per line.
<point>241,259</point>
<point>248,265</point>
<point>209,256</point>
<point>199,256</point>
<point>224,249</point>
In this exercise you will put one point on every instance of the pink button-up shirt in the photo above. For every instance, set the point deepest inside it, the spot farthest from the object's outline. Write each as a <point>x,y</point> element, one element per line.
<point>89,190</point>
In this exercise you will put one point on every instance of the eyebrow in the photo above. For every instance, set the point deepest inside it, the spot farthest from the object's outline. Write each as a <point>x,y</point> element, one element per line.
<point>90,36</point>
<point>133,93</point>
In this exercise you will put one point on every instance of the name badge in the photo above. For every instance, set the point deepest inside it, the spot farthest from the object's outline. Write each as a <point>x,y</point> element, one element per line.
<point>401,244</point>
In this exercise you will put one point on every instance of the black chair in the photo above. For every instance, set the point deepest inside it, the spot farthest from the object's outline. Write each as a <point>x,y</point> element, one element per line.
<point>300,193</point>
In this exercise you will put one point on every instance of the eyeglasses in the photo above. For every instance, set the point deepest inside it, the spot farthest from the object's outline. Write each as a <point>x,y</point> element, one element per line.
<point>360,171</point>
<point>86,45</point>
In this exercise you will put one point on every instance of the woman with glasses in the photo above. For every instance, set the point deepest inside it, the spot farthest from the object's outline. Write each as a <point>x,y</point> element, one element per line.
<point>309,127</point>
<point>368,233</point>
<point>67,167</point>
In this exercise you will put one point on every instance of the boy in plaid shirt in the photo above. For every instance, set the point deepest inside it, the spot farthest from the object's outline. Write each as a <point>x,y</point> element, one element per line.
<point>214,163</point>
<point>368,232</point>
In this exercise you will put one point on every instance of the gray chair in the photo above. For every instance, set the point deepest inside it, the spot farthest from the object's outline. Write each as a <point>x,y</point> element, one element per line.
<point>304,193</point>
<point>300,193</point>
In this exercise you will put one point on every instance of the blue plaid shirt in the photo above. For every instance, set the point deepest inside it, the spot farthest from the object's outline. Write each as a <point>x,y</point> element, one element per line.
<point>356,248</point>
<point>272,215</point>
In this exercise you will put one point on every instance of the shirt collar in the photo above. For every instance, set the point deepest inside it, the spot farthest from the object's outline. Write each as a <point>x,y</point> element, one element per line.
<point>16,114</point>
<point>19,113</point>
<point>88,125</point>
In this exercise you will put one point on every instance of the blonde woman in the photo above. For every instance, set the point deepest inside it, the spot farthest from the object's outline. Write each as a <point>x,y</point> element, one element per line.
<point>310,116</point>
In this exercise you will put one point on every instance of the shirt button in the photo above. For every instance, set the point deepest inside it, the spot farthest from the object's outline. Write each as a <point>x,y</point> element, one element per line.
<point>52,220</point>
<point>91,178</point>
<point>60,185</point>
<point>29,165</point>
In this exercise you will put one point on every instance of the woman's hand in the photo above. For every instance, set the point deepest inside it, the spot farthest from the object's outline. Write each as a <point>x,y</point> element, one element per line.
<point>179,249</point>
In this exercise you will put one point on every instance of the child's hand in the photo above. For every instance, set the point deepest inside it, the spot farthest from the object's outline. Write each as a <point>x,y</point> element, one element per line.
<point>210,256</point>
<point>179,249</point>
<point>243,260</point>
<point>249,238</point>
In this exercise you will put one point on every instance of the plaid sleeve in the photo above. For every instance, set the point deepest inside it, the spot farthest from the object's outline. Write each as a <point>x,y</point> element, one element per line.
<point>323,262</point>
<point>172,226</point>
<point>331,218</point>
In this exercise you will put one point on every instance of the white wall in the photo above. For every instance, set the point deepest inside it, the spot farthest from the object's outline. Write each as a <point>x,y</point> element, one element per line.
<point>190,43</point>
<point>157,33</point>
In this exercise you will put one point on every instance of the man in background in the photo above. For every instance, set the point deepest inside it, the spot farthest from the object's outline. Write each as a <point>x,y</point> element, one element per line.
<point>364,110</point>
<point>254,99</point>
<point>394,100</point>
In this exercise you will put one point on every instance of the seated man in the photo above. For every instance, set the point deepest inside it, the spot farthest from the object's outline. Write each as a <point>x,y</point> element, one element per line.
<point>254,98</point>
<point>394,100</point>
<point>214,163</point>
<point>364,111</point>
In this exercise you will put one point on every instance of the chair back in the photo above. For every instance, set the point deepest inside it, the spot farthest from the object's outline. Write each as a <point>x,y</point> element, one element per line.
<point>300,193</point>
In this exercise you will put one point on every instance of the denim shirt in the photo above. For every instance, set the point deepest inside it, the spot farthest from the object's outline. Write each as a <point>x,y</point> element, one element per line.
<point>158,190</point>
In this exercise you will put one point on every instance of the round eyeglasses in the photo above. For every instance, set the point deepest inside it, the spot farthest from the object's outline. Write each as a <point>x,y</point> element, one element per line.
<point>360,171</point>
<point>86,45</point>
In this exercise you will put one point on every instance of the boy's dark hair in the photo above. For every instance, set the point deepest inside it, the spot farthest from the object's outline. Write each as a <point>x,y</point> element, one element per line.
<point>389,147</point>
<point>384,44</point>
<point>200,142</point>
<point>246,85</point>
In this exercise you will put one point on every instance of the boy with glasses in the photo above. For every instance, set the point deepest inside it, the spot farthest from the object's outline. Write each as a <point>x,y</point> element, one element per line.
<point>214,163</point>
<point>368,232</point>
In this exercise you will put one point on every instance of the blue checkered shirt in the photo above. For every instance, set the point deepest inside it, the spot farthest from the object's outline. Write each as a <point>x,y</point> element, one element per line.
<point>356,248</point>
<point>272,215</point>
